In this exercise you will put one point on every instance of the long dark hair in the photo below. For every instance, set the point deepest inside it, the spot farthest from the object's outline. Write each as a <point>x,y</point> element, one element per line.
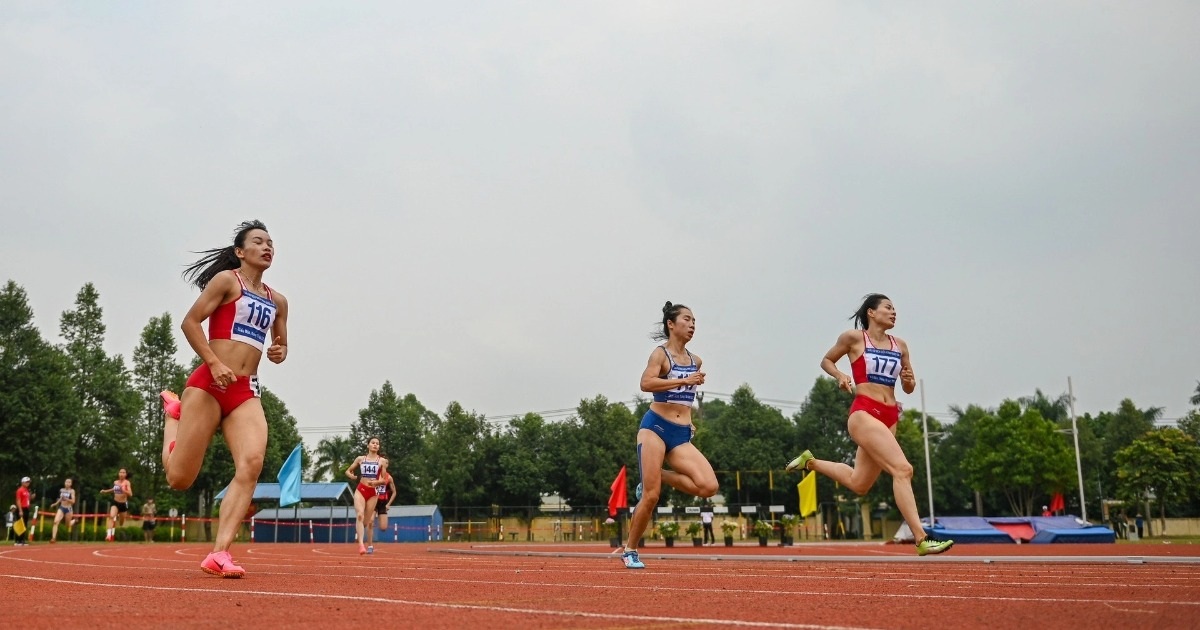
<point>670,313</point>
<point>201,272</point>
<point>870,303</point>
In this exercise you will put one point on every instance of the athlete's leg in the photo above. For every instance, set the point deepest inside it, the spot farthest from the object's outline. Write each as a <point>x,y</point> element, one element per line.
<point>112,522</point>
<point>690,471</point>
<point>200,416</point>
<point>879,443</point>
<point>58,516</point>
<point>382,522</point>
<point>650,460</point>
<point>866,469</point>
<point>360,513</point>
<point>369,525</point>
<point>245,432</point>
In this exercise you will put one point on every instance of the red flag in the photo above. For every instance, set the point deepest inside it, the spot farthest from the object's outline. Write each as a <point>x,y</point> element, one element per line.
<point>1056,503</point>
<point>620,494</point>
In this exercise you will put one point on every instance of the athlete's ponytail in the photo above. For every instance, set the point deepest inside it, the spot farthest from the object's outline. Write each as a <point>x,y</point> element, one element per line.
<point>669,313</point>
<point>201,272</point>
<point>870,303</point>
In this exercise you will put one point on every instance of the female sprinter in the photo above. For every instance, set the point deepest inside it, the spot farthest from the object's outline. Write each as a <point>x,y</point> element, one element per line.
<point>121,491</point>
<point>371,470</point>
<point>875,360</point>
<point>385,493</point>
<point>66,509</point>
<point>223,393</point>
<point>672,375</point>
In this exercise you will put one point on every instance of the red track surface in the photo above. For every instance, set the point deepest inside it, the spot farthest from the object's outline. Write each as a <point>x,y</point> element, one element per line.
<point>582,586</point>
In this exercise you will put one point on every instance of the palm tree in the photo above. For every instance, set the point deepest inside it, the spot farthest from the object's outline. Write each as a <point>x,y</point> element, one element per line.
<point>1196,396</point>
<point>1053,409</point>
<point>333,455</point>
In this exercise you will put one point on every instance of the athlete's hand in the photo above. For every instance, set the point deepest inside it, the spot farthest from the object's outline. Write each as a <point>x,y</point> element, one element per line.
<point>696,378</point>
<point>907,375</point>
<point>277,352</point>
<point>222,375</point>
<point>844,382</point>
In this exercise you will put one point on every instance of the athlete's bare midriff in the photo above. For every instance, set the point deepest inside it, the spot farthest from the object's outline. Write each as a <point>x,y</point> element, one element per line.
<point>242,358</point>
<point>679,414</point>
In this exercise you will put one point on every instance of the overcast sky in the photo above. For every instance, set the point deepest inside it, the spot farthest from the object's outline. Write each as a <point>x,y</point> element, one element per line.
<point>490,202</point>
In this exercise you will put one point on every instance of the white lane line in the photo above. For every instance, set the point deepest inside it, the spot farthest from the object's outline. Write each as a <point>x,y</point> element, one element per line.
<point>225,593</point>
<point>641,587</point>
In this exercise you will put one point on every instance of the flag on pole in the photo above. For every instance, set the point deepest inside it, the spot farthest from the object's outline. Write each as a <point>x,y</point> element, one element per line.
<point>808,495</point>
<point>289,478</point>
<point>1056,503</point>
<point>620,494</point>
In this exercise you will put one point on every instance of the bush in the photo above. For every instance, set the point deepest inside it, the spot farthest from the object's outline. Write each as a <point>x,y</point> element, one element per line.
<point>729,527</point>
<point>763,528</point>
<point>693,529</point>
<point>669,529</point>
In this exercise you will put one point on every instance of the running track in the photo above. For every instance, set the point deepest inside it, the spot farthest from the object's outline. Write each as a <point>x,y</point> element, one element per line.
<point>846,585</point>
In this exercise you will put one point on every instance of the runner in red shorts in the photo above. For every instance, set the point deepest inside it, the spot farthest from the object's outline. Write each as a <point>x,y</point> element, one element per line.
<point>244,316</point>
<point>876,360</point>
<point>372,470</point>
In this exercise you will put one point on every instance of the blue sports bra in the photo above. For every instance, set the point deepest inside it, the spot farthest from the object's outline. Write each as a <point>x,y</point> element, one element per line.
<point>684,394</point>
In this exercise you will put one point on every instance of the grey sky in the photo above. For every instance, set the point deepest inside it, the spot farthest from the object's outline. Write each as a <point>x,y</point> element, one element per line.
<point>490,202</point>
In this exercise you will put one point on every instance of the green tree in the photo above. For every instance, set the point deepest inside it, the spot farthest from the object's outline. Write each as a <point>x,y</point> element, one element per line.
<point>154,370</point>
<point>1196,396</point>
<point>401,424</point>
<point>105,429</point>
<point>333,455</point>
<point>455,459</point>
<point>956,496</point>
<point>1020,455</point>
<point>38,406</point>
<point>1052,409</point>
<point>1190,424</point>
<point>750,443</point>
<point>524,461</point>
<point>588,450</point>
<point>1164,463</point>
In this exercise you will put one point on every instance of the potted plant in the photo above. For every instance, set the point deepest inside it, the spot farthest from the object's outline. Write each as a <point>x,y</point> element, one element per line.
<point>669,531</point>
<point>763,529</point>
<point>693,530</point>
<point>790,521</point>
<point>728,527</point>
<point>610,529</point>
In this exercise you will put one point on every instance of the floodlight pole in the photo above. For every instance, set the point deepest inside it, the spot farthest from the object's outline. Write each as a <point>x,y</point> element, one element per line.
<point>928,467</point>
<point>1078,462</point>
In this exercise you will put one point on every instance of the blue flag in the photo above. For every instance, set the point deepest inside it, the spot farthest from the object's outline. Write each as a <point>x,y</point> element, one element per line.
<point>289,479</point>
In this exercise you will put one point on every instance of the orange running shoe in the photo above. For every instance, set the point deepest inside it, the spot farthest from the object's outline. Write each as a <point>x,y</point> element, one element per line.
<point>220,563</point>
<point>171,403</point>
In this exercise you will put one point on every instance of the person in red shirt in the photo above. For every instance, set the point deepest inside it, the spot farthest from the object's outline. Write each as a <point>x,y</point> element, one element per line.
<point>23,499</point>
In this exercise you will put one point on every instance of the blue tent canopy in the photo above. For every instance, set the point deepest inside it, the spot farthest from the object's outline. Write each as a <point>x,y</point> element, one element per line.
<point>338,492</point>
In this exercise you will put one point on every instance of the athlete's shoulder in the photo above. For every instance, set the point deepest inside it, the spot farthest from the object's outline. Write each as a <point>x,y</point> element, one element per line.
<point>900,343</point>
<point>850,336</point>
<point>278,297</point>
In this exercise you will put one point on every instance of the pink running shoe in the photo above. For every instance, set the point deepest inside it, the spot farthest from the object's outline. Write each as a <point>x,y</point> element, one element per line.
<point>220,563</point>
<point>171,403</point>
<point>362,549</point>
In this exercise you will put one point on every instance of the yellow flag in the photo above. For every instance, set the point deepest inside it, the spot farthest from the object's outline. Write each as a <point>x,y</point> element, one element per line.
<point>808,494</point>
<point>19,526</point>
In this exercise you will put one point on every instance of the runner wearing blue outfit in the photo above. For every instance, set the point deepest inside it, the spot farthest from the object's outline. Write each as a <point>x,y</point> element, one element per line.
<point>672,375</point>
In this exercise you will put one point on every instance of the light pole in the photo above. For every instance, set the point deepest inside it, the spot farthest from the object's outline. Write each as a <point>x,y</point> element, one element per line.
<point>928,468</point>
<point>1078,462</point>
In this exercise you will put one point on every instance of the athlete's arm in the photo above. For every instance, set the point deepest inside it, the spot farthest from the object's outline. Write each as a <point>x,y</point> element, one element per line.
<point>908,379</point>
<point>278,350</point>
<point>222,288</point>
<point>128,488</point>
<point>652,380</point>
<point>844,344</point>
<point>352,467</point>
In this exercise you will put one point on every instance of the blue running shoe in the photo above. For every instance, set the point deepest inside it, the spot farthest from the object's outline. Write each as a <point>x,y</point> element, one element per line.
<point>630,558</point>
<point>370,548</point>
<point>637,492</point>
